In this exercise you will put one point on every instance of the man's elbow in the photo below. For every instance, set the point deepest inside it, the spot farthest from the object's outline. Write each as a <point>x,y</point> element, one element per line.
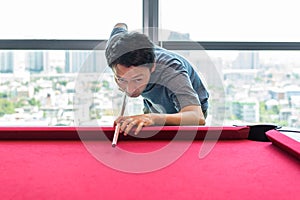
<point>202,121</point>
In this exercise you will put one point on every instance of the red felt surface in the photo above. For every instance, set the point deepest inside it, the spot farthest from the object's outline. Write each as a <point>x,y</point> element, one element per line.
<point>234,169</point>
<point>284,142</point>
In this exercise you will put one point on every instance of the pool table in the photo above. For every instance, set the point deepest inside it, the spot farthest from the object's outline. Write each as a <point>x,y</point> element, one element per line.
<point>161,163</point>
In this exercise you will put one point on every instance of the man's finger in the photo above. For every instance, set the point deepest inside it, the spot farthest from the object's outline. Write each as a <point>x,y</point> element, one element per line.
<point>139,128</point>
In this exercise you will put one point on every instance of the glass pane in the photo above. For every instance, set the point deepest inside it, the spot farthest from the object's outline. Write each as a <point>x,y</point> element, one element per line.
<point>46,87</point>
<point>231,20</point>
<point>51,88</point>
<point>260,86</point>
<point>67,19</point>
<point>293,135</point>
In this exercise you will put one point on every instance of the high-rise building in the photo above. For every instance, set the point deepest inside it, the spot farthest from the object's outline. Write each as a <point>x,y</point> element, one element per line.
<point>246,60</point>
<point>74,61</point>
<point>36,61</point>
<point>7,62</point>
<point>67,62</point>
<point>84,61</point>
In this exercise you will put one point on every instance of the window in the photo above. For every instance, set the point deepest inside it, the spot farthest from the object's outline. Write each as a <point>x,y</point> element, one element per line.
<point>259,86</point>
<point>38,86</point>
<point>232,20</point>
<point>67,19</point>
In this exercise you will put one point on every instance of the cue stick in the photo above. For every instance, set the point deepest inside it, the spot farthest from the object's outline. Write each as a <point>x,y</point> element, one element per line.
<point>117,129</point>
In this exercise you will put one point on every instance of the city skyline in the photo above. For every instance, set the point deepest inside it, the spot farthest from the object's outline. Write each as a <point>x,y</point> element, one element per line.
<point>249,80</point>
<point>23,60</point>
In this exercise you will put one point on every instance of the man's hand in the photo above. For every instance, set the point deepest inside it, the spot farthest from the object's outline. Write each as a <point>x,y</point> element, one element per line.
<point>188,116</point>
<point>136,123</point>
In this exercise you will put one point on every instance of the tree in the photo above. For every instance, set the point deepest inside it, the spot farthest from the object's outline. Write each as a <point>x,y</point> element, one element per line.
<point>3,95</point>
<point>34,102</point>
<point>6,107</point>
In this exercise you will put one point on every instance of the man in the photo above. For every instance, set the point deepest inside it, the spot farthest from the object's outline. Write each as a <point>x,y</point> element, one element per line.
<point>172,91</point>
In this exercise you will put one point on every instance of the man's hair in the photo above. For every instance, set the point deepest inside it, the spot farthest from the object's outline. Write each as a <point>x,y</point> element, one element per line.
<point>130,49</point>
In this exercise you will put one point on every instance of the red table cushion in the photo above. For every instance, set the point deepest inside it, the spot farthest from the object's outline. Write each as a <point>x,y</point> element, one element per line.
<point>153,133</point>
<point>284,142</point>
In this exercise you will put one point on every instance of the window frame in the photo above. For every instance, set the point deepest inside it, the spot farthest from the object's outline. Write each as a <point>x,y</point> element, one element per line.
<point>150,19</point>
<point>171,45</point>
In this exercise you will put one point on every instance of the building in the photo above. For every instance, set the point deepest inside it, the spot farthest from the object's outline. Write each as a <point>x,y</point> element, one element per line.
<point>246,110</point>
<point>36,61</point>
<point>84,61</point>
<point>6,62</point>
<point>246,60</point>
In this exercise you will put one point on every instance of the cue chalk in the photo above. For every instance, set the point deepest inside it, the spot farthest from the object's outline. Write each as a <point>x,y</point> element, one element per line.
<point>117,129</point>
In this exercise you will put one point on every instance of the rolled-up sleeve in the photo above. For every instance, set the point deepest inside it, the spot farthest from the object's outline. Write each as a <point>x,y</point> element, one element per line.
<point>116,31</point>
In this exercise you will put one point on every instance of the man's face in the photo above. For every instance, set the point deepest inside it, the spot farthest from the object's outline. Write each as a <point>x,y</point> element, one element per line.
<point>132,80</point>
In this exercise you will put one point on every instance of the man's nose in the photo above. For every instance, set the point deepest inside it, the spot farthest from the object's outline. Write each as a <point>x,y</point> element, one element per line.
<point>131,87</point>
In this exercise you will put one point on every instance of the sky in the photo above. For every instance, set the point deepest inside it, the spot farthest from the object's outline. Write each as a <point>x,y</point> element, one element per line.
<point>65,19</point>
<point>230,20</point>
<point>233,20</point>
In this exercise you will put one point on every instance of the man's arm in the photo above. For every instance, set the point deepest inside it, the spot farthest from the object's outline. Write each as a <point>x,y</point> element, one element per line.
<point>118,28</point>
<point>189,115</point>
<point>121,25</point>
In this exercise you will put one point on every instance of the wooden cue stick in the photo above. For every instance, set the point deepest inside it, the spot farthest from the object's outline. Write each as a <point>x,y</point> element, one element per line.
<point>117,129</point>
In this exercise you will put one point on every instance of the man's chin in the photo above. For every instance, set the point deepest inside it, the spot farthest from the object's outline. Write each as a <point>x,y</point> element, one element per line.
<point>134,95</point>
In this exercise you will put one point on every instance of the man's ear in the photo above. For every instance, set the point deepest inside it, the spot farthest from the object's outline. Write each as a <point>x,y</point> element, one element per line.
<point>153,68</point>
